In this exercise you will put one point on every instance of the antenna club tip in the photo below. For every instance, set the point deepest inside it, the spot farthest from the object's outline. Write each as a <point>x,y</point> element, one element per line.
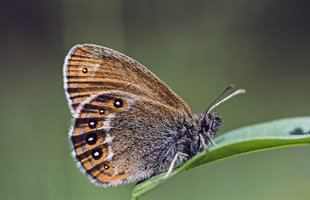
<point>241,91</point>
<point>230,87</point>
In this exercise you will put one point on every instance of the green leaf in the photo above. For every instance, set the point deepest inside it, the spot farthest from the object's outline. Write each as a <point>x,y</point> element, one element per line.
<point>278,133</point>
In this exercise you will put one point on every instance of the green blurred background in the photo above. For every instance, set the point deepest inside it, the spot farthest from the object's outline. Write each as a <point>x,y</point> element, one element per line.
<point>196,47</point>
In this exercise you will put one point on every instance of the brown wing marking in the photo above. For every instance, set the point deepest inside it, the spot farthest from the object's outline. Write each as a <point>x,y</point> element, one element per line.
<point>90,69</point>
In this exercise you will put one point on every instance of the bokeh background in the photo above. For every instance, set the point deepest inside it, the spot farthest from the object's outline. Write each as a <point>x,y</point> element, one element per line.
<point>196,47</point>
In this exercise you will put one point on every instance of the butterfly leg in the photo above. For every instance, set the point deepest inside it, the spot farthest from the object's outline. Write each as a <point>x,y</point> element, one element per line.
<point>209,137</point>
<point>172,164</point>
<point>203,142</point>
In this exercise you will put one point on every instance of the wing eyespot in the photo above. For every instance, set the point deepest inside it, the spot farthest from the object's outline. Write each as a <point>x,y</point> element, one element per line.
<point>96,153</point>
<point>91,138</point>
<point>101,111</point>
<point>92,124</point>
<point>84,70</point>
<point>118,103</point>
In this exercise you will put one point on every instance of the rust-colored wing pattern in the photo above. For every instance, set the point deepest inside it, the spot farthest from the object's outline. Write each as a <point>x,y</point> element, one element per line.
<point>90,69</point>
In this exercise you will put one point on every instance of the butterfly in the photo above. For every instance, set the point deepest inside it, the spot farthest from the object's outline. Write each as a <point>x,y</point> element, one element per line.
<point>128,124</point>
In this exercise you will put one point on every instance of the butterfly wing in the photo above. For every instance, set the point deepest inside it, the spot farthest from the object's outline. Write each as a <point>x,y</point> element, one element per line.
<point>89,69</point>
<point>126,119</point>
<point>119,137</point>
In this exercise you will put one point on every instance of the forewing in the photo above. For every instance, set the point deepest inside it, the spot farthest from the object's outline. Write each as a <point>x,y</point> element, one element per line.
<point>90,69</point>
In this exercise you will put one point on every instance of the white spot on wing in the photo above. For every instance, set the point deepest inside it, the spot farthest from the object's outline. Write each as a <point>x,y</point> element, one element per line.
<point>106,123</point>
<point>108,139</point>
<point>96,65</point>
<point>110,154</point>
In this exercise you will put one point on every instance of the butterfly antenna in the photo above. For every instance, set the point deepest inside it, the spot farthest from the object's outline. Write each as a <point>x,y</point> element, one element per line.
<point>240,91</point>
<point>215,100</point>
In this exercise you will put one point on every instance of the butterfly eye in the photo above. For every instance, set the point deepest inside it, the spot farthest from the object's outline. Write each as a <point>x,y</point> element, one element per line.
<point>84,70</point>
<point>92,124</point>
<point>118,103</point>
<point>101,111</point>
<point>91,138</point>
<point>97,153</point>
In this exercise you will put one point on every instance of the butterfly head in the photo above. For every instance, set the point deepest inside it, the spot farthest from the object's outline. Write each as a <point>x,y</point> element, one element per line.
<point>212,122</point>
<point>209,125</point>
